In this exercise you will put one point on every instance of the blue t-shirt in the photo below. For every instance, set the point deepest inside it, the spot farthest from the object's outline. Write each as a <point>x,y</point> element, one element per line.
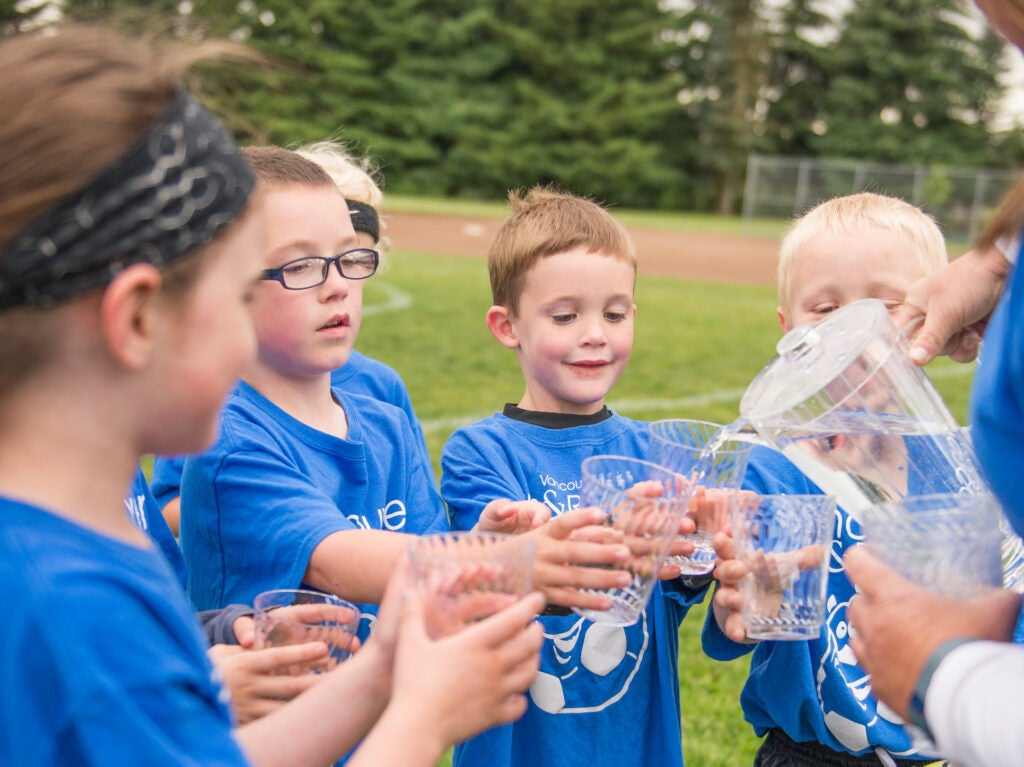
<point>997,402</point>
<point>102,659</point>
<point>359,375</point>
<point>256,505</point>
<point>146,514</point>
<point>813,690</point>
<point>604,694</point>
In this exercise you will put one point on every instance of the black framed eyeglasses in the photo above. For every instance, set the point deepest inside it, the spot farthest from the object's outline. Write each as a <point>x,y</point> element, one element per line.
<point>311,271</point>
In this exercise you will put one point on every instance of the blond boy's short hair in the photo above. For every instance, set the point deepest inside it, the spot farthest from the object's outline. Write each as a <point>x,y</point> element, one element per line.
<point>854,213</point>
<point>544,223</point>
<point>355,178</point>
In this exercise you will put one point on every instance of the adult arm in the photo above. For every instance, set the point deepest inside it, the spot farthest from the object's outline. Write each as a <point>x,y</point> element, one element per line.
<point>973,704</point>
<point>899,625</point>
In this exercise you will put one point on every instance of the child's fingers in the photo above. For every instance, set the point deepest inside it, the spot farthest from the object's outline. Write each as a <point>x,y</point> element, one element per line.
<point>274,659</point>
<point>511,709</point>
<point>585,553</point>
<point>561,526</point>
<point>564,596</point>
<point>548,576</point>
<point>503,625</point>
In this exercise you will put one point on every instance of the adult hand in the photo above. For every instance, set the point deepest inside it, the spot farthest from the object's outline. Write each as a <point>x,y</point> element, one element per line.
<point>955,302</point>
<point>897,625</point>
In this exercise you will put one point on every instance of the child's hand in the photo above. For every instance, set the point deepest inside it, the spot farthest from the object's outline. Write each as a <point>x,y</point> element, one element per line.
<point>261,681</point>
<point>512,517</point>
<point>574,552</point>
<point>773,574</point>
<point>454,687</point>
<point>728,601</point>
<point>680,547</point>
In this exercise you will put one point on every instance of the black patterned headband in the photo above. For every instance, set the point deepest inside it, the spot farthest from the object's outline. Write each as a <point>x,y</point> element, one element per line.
<point>172,192</point>
<point>364,218</point>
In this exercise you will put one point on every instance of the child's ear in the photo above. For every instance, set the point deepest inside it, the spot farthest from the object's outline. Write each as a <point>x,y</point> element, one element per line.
<point>128,314</point>
<point>499,322</point>
<point>782,319</point>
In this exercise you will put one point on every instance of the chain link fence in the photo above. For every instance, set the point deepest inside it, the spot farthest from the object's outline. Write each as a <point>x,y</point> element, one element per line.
<point>960,199</point>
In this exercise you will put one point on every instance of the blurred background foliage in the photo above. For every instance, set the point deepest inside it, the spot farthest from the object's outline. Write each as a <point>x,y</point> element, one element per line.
<point>642,103</point>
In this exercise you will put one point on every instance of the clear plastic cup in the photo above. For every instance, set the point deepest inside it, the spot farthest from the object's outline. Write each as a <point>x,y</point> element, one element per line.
<point>688,447</point>
<point>644,504</point>
<point>295,616</point>
<point>466,577</point>
<point>948,543</point>
<point>785,542</point>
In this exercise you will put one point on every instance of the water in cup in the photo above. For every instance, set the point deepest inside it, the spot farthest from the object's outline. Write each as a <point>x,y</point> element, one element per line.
<point>843,401</point>
<point>699,451</point>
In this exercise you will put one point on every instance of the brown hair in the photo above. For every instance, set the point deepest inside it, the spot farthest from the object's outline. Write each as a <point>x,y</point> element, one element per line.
<point>278,167</point>
<point>1007,219</point>
<point>77,98</point>
<point>544,223</point>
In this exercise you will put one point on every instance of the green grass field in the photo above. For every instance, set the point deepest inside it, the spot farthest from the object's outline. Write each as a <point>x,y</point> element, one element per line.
<point>697,347</point>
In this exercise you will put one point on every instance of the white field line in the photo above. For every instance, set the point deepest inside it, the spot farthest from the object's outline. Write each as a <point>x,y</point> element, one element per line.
<point>625,406</point>
<point>394,300</point>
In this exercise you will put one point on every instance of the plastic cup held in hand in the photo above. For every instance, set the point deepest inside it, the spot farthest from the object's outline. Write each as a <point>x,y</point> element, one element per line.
<point>465,577</point>
<point>644,504</point>
<point>689,447</point>
<point>785,541</point>
<point>948,543</point>
<point>295,616</point>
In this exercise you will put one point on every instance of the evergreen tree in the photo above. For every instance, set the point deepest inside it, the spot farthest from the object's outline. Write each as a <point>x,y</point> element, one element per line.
<point>577,93</point>
<point>726,45</point>
<point>802,44</point>
<point>909,83</point>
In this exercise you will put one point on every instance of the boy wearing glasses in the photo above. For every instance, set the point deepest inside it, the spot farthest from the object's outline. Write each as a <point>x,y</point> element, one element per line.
<point>307,484</point>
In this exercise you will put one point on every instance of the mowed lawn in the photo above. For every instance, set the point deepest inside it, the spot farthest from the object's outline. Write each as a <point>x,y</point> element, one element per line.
<point>697,347</point>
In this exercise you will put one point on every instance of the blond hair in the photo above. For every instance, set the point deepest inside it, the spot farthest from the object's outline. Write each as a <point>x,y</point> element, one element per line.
<point>357,179</point>
<point>544,223</point>
<point>852,214</point>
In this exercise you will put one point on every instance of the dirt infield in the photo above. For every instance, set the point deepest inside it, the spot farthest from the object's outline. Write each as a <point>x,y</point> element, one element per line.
<point>705,257</point>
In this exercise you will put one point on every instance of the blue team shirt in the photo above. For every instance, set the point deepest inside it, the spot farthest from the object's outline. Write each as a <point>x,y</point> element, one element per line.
<point>997,402</point>
<point>143,510</point>
<point>103,662</point>
<point>604,694</point>
<point>258,503</point>
<point>359,375</point>
<point>813,690</point>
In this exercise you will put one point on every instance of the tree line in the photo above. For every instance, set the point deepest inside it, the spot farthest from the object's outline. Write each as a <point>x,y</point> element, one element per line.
<point>641,103</point>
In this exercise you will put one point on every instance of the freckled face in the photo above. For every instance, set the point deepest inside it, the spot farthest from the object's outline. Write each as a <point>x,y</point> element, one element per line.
<point>835,269</point>
<point>574,328</point>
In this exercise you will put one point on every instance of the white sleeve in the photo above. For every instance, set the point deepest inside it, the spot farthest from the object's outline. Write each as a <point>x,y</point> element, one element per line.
<point>1009,246</point>
<point>973,705</point>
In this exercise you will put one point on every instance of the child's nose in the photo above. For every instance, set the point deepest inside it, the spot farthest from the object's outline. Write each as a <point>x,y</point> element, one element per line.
<point>593,332</point>
<point>335,283</point>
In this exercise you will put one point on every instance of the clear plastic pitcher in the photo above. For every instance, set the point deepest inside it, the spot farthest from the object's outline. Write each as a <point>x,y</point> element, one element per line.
<point>843,401</point>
